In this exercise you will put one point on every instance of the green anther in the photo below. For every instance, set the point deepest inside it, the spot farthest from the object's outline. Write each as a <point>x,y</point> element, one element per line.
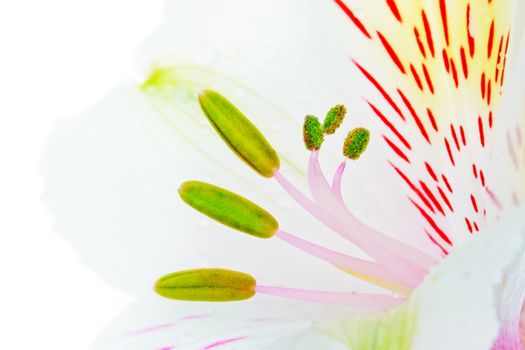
<point>312,133</point>
<point>334,119</point>
<point>229,209</point>
<point>206,285</point>
<point>356,143</point>
<point>239,133</point>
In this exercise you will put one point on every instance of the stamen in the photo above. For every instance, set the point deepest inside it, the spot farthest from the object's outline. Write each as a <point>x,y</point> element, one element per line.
<point>312,133</point>
<point>336,183</point>
<point>239,133</point>
<point>229,209</point>
<point>352,298</point>
<point>367,270</point>
<point>356,143</point>
<point>334,119</point>
<point>398,266</point>
<point>216,285</point>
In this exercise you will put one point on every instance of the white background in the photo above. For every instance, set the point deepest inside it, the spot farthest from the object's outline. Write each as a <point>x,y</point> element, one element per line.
<point>57,57</point>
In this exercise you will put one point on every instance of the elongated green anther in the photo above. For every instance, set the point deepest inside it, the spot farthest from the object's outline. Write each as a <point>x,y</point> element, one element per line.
<point>229,209</point>
<point>334,118</point>
<point>206,285</point>
<point>312,133</point>
<point>356,143</point>
<point>239,133</point>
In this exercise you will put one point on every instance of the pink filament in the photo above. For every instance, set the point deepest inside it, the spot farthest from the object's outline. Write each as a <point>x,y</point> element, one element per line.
<point>396,265</point>
<point>223,342</point>
<point>360,266</point>
<point>352,298</point>
<point>412,254</point>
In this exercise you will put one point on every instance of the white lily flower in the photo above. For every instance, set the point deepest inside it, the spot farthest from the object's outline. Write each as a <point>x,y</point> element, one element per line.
<point>408,247</point>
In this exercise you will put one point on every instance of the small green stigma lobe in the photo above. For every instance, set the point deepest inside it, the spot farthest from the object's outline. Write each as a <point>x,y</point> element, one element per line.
<point>241,135</point>
<point>312,133</point>
<point>334,118</point>
<point>214,285</point>
<point>356,143</point>
<point>229,209</point>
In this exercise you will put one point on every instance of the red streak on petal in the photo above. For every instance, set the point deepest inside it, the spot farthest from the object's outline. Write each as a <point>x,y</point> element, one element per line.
<point>392,53</point>
<point>449,151</point>
<point>483,85</point>
<point>378,86</point>
<point>395,11</point>
<point>475,170</point>
<point>445,199</point>
<point>454,72</point>
<point>432,197</point>
<point>416,118</point>
<point>463,137</point>
<point>353,18</point>
<point>446,60</point>
<point>431,171</point>
<point>432,223</point>
<point>390,125</point>
<point>416,77</point>
<point>489,92</point>
<point>420,43</point>
<point>454,136</point>
<point>469,225</point>
<point>471,40</point>
<point>464,64</point>
<point>443,250</point>
<point>414,188</point>
<point>490,119</point>
<point>428,79</point>
<point>445,180</point>
<point>396,149</point>
<point>474,203</point>
<point>428,33</point>
<point>481,132</point>
<point>482,177</point>
<point>490,44</point>
<point>496,75</point>
<point>432,119</point>
<point>443,11</point>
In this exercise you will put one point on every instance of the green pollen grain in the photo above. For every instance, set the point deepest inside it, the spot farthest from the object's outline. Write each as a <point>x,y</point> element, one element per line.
<point>312,133</point>
<point>356,143</point>
<point>214,285</point>
<point>229,209</point>
<point>241,135</point>
<point>334,119</point>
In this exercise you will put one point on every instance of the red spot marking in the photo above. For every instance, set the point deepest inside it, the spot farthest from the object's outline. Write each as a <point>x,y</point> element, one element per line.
<point>446,60</point>
<point>390,125</point>
<point>428,79</point>
<point>431,171</point>
<point>469,225</point>
<point>416,77</point>
<point>482,177</point>
<point>474,203</point>
<point>443,11</point>
<point>463,137</point>
<point>353,18</point>
<point>476,226</point>
<point>454,72</point>
<point>475,170</point>
<point>494,199</point>
<point>445,199</point>
<point>481,132</point>
<point>432,119</point>
<point>414,188</point>
<point>443,250</point>
<point>392,53</point>
<point>428,33</point>
<point>449,151</point>
<point>471,40</point>
<point>490,44</point>
<point>496,76</point>
<point>489,92</point>
<point>420,43</point>
<point>505,60</point>
<point>445,180</point>
<point>396,149</point>
<point>483,85</point>
<point>432,223</point>
<point>464,64</point>
<point>395,11</point>
<point>419,124</point>
<point>454,136</point>
<point>490,119</point>
<point>381,90</point>
<point>432,197</point>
